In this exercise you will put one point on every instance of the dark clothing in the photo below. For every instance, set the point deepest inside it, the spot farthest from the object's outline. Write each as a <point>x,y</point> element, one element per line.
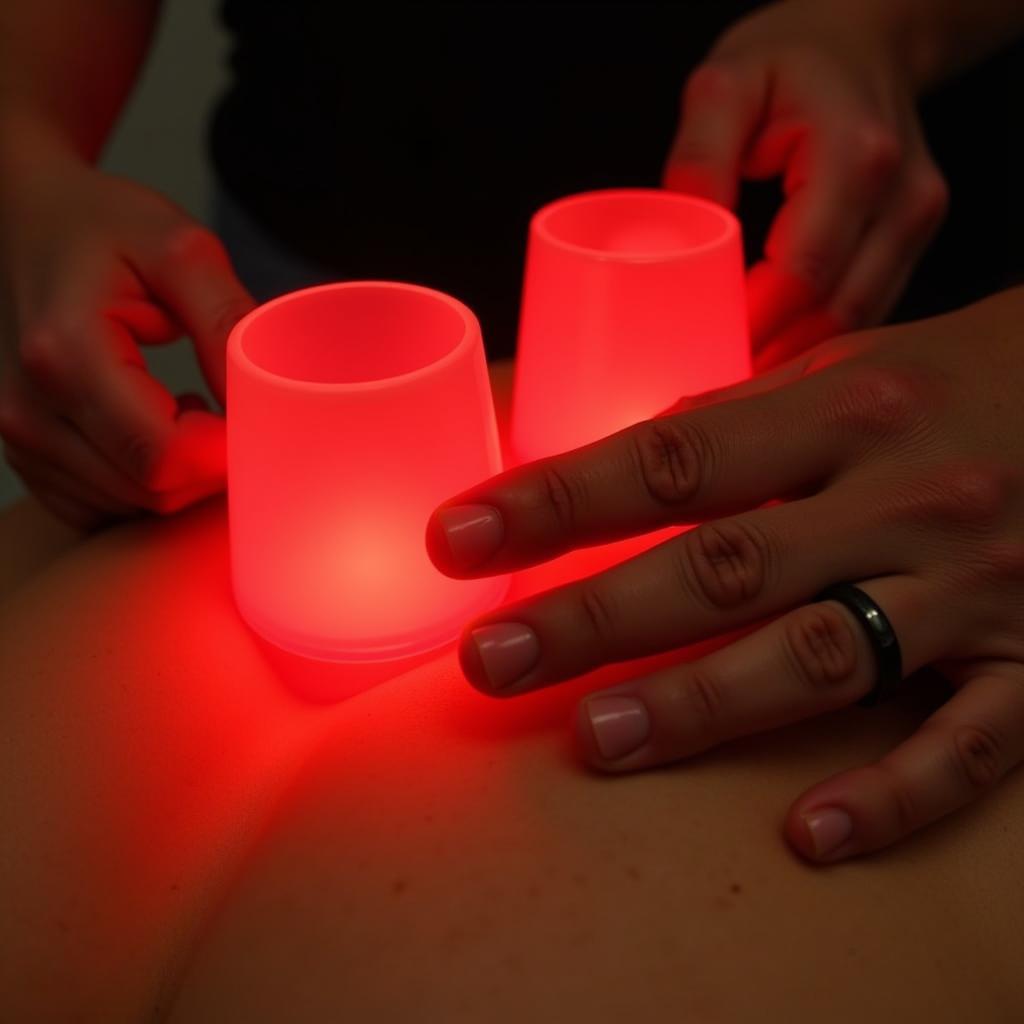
<point>413,141</point>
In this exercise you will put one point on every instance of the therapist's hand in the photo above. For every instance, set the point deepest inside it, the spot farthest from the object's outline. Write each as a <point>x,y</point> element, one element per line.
<point>819,95</point>
<point>899,458</point>
<point>92,267</point>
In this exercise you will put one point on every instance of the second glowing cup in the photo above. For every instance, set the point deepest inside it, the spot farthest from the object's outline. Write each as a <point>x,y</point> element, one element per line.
<point>633,299</point>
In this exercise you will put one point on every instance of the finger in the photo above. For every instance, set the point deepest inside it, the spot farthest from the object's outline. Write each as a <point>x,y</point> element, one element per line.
<point>775,298</point>
<point>168,452</point>
<point>890,250</point>
<point>815,659</point>
<point>799,336</point>
<point>957,755</point>
<point>712,461</point>
<point>54,478</point>
<point>89,368</point>
<point>194,279</point>
<point>716,578</point>
<point>722,105</point>
<point>34,429</point>
<point>135,423</point>
<point>833,184</point>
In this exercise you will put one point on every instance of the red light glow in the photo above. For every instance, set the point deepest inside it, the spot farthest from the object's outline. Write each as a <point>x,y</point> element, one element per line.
<point>354,410</point>
<point>633,299</point>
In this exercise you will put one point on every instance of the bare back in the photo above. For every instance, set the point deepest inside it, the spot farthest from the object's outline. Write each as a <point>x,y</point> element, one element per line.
<point>186,835</point>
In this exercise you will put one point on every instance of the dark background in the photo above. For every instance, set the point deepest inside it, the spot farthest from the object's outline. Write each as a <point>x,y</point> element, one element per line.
<point>413,141</point>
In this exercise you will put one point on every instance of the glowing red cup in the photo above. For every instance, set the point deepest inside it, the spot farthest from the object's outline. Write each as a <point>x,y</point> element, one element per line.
<point>633,299</point>
<point>353,411</point>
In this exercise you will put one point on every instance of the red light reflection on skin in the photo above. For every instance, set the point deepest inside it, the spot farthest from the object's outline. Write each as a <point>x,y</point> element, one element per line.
<point>149,744</point>
<point>144,742</point>
<point>153,740</point>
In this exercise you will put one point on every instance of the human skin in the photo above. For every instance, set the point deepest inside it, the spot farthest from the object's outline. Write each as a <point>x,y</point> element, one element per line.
<point>188,839</point>
<point>899,458</point>
<point>91,267</point>
<point>187,836</point>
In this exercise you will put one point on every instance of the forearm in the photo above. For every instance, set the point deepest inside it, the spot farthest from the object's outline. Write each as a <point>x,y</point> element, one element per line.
<point>66,67</point>
<point>934,39</point>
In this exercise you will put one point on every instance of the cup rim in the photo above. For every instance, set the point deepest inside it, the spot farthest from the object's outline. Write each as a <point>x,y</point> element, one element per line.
<point>730,225</point>
<point>236,350</point>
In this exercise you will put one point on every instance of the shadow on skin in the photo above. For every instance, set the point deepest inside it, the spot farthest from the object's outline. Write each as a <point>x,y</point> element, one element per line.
<point>327,682</point>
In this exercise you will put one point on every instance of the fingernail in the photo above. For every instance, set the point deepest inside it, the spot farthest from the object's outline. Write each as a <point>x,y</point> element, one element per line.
<point>507,650</point>
<point>620,724</point>
<point>829,829</point>
<point>473,533</point>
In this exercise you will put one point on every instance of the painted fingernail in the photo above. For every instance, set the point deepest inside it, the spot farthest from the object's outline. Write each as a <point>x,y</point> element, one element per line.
<point>507,650</point>
<point>829,829</point>
<point>620,724</point>
<point>473,533</point>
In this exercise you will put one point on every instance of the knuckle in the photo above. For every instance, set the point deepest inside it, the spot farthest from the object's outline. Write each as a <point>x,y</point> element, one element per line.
<point>977,755</point>
<point>876,401</point>
<point>699,700</point>
<point>820,645</point>
<point>712,82</point>
<point>43,353</point>
<point>564,495</point>
<point>188,241</point>
<point>899,798</point>
<point>672,457</point>
<point>876,152</point>
<point>598,611</point>
<point>958,494</point>
<point>142,457</point>
<point>725,563</point>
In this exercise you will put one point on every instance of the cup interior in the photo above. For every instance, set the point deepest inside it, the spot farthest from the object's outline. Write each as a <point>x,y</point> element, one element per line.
<point>635,223</point>
<point>353,333</point>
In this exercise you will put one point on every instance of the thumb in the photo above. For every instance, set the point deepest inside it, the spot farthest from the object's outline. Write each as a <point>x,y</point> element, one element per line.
<point>721,109</point>
<point>195,282</point>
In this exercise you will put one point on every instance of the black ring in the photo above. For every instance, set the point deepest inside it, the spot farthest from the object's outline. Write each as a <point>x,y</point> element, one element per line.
<point>881,634</point>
